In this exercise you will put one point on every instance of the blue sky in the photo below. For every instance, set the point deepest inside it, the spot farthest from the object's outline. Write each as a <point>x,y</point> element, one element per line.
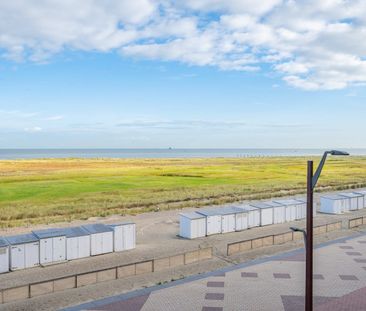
<point>147,93</point>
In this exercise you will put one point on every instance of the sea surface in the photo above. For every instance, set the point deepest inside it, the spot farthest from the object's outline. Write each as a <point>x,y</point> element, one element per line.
<point>10,154</point>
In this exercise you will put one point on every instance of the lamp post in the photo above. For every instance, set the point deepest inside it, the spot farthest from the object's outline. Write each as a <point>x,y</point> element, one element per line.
<point>308,235</point>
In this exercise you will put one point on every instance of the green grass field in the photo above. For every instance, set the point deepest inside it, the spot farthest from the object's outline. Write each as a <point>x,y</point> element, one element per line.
<point>44,191</point>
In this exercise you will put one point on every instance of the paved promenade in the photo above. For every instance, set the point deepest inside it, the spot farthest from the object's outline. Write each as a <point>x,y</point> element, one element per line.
<point>273,283</point>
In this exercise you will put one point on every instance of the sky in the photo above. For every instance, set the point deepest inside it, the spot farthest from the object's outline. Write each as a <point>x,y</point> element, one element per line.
<point>182,74</point>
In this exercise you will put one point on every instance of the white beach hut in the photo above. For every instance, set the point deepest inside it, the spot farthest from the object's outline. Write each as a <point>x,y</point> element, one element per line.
<point>101,239</point>
<point>124,236</point>
<point>227,219</point>
<point>301,209</point>
<point>241,218</point>
<point>192,225</point>
<point>355,201</point>
<point>52,245</point>
<point>4,255</point>
<point>305,208</point>
<point>363,193</point>
<point>24,251</point>
<point>295,209</point>
<point>290,209</point>
<point>266,213</point>
<point>213,221</point>
<point>333,204</point>
<point>254,215</point>
<point>279,211</point>
<point>77,243</point>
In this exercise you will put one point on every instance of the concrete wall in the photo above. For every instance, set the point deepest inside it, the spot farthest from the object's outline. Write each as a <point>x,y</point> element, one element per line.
<point>356,222</point>
<point>242,246</point>
<point>93,277</point>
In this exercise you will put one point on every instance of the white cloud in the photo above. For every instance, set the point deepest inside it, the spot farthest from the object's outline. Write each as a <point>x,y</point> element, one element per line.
<point>34,129</point>
<point>54,118</point>
<point>179,124</point>
<point>38,29</point>
<point>311,44</point>
<point>233,6</point>
<point>208,125</point>
<point>292,68</point>
<point>16,114</point>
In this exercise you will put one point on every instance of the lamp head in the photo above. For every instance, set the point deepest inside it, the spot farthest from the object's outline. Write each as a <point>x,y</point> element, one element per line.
<point>338,153</point>
<point>296,229</point>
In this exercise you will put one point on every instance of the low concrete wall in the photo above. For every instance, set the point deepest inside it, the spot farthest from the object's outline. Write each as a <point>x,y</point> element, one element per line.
<point>276,239</point>
<point>94,277</point>
<point>356,222</point>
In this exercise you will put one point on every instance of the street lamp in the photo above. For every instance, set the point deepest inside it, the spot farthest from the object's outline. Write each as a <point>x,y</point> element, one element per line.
<point>308,235</point>
<point>294,229</point>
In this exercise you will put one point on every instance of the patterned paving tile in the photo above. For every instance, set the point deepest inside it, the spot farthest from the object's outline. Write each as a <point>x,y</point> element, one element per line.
<point>214,296</point>
<point>318,277</point>
<point>281,276</point>
<point>346,277</point>
<point>283,289</point>
<point>249,274</point>
<point>354,253</point>
<point>212,309</point>
<point>215,284</point>
<point>346,247</point>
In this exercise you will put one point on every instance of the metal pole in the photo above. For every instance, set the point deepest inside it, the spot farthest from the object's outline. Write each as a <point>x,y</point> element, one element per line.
<point>309,240</point>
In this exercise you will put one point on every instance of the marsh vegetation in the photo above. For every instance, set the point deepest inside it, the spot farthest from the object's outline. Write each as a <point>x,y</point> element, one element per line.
<point>53,190</point>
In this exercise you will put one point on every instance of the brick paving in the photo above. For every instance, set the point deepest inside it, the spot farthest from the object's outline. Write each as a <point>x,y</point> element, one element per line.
<point>272,283</point>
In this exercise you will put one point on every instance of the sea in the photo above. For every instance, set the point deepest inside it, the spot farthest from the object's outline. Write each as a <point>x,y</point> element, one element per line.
<point>12,154</point>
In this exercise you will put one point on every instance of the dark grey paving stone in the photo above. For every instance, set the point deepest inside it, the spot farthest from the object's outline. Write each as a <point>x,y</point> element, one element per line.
<point>215,284</point>
<point>346,277</point>
<point>281,276</point>
<point>214,296</point>
<point>353,253</point>
<point>346,247</point>
<point>212,308</point>
<point>360,260</point>
<point>249,274</point>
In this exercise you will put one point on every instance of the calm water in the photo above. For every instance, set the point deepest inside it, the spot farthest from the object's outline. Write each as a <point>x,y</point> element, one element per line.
<point>159,153</point>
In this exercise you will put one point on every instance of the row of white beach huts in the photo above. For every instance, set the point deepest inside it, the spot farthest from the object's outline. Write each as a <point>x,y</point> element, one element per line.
<point>238,217</point>
<point>343,202</point>
<point>51,246</point>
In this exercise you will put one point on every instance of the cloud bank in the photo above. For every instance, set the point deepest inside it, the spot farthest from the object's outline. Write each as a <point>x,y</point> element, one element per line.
<point>312,45</point>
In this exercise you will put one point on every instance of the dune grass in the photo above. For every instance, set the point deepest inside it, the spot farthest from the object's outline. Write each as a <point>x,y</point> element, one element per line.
<point>53,190</point>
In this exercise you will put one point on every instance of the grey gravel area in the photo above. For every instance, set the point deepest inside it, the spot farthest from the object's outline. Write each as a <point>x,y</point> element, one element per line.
<point>156,238</point>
